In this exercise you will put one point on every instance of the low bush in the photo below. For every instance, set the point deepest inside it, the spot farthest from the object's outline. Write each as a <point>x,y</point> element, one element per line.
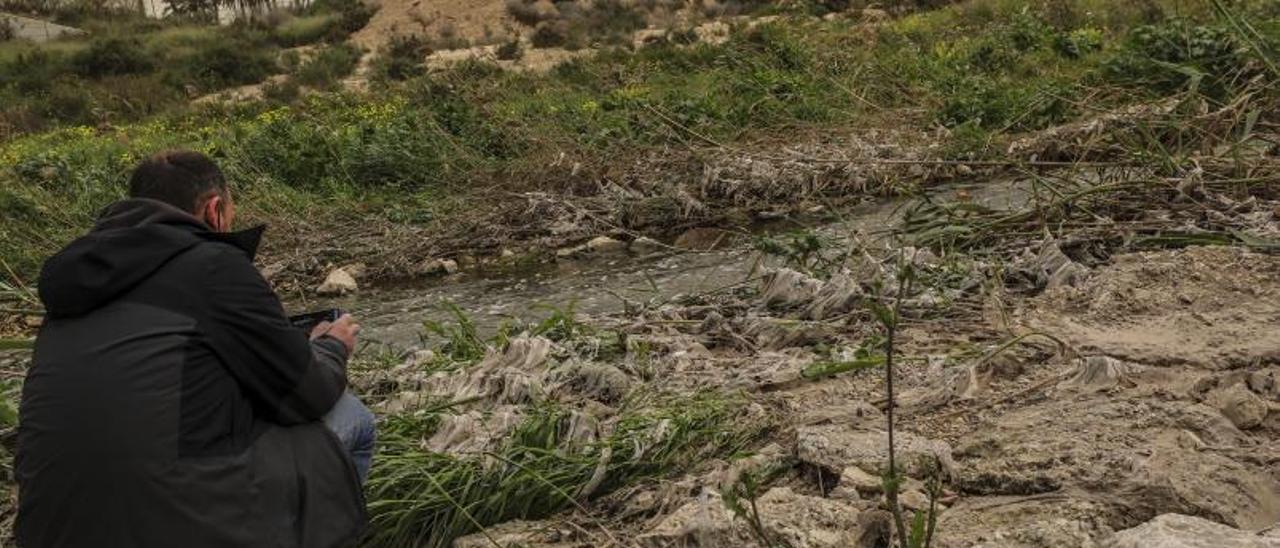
<point>327,65</point>
<point>284,92</point>
<point>309,29</point>
<point>19,120</point>
<point>510,50</point>
<point>68,101</point>
<point>1172,55</point>
<point>355,14</point>
<point>112,56</point>
<point>575,25</point>
<point>402,58</point>
<point>7,29</point>
<point>224,63</point>
<point>135,96</point>
<point>531,12</point>
<point>1078,43</point>
<point>32,71</point>
<point>550,34</point>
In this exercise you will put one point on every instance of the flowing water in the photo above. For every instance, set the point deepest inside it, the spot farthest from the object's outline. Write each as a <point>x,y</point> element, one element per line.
<point>597,286</point>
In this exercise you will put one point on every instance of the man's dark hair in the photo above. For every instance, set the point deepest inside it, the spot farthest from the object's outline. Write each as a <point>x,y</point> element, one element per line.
<point>180,178</point>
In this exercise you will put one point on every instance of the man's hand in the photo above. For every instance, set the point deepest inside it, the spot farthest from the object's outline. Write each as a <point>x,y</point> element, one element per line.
<point>345,330</point>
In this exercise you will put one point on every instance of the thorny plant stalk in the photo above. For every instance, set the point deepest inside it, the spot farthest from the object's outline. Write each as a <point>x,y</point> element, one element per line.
<point>889,319</point>
<point>935,493</point>
<point>748,487</point>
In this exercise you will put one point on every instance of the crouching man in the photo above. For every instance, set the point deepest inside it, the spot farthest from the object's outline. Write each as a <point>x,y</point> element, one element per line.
<point>170,402</point>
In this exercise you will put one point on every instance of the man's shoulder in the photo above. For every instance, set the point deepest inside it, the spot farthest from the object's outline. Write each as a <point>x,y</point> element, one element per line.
<point>215,258</point>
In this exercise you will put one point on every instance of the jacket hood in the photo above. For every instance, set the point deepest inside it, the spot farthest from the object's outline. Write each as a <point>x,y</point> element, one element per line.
<point>131,240</point>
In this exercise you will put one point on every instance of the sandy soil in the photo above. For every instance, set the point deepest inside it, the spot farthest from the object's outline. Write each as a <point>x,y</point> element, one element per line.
<point>1215,308</point>
<point>472,20</point>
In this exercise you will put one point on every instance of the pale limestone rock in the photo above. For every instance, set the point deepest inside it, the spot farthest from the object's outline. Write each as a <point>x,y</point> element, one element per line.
<point>789,519</point>
<point>338,282</point>
<point>1180,531</point>
<point>645,246</point>
<point>837,446</point>
<point>605,244</point>
<point>1240,405</point>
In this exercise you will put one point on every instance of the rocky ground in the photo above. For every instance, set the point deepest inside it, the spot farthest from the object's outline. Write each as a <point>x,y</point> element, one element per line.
<point>1133,402</point>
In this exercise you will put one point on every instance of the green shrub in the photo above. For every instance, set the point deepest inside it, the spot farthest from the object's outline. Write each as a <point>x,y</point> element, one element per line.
<point>33,71</point>
<point>459,117</point>
<point>170,41</point>
<point>19,119</point>
<point>328,65</point>
<point>355,13</point>
<point>1078,43</point>
<point>68,101</point>
<point>1176,54</point>
<point>306,30</point>
<point>575,25</point>
<point>112,56</point>
<point>1026,32</point>
<point>993,55</point>
<point>7,30</point>
<point>224,63</point>
<point>135,96</point>
<point>782,46</point>
<point>510,50</point>
<point>290,60</point>
<point>402,58</point>
<point>282,92</point>
<point>550,34</point>
<point>968,141</point>
<point>345,146</point>
<point>529,12</point>
<point>1001,104</point>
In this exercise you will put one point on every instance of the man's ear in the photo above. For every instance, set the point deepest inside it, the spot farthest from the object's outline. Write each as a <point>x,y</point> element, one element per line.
<point>211,213</point>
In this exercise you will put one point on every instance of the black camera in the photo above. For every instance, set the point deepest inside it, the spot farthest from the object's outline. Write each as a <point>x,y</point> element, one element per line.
<point>310,320</point>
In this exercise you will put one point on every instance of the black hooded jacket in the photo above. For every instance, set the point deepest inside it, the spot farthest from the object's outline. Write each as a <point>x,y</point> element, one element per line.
<point>171,403</point>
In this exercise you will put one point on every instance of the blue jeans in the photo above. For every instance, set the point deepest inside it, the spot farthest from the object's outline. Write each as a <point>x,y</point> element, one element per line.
<point>354,425</point>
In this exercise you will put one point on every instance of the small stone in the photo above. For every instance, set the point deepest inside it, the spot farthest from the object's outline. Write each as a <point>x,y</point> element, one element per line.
<point>645,246</point>
<point>338,282</point>
<point>840,446</point>
<point>859,480</point>
<point>844,492</point>
<point>417,359</point>
<point>269,272</point>
<point>705,239</point>
<point>1264,383</point>
<point>605,244</point>
<point>506,253</point>
<point>568,252</point>
<point>913,500</point>
<point>438,266</point>
<point>356,270</point>
<point>1241,406</point>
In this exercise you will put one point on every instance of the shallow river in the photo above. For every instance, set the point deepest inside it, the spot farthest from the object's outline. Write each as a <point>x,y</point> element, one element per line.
<point>596,285</point>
